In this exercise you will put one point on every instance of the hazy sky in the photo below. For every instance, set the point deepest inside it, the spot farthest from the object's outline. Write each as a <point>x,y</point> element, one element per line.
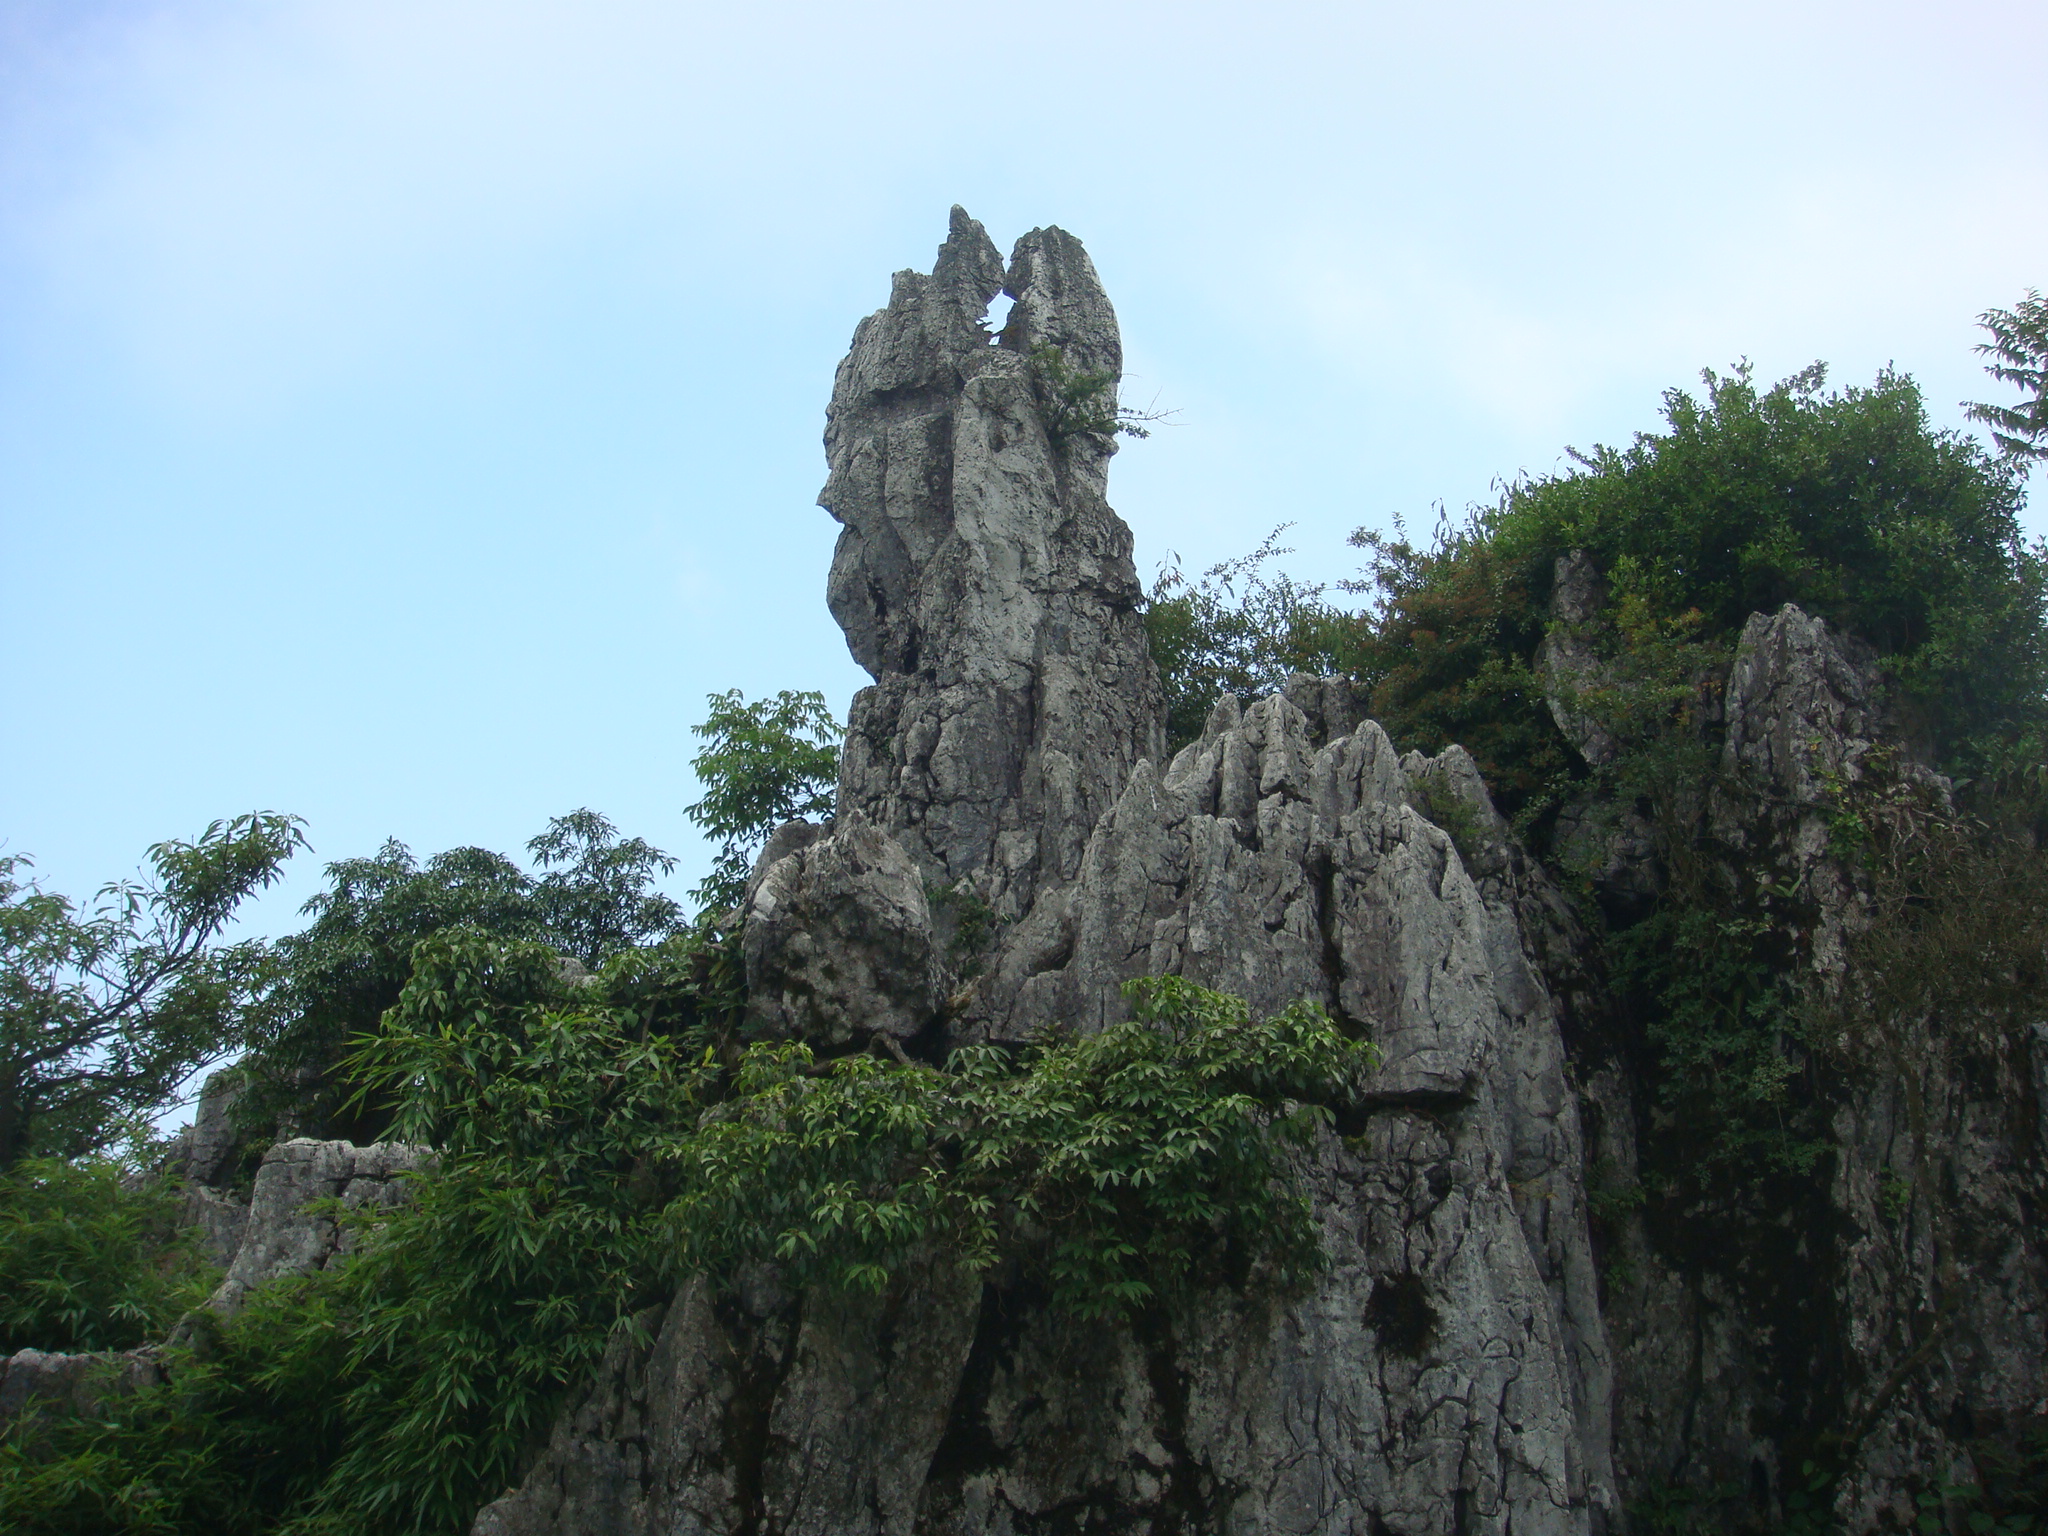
<point>410,412</point>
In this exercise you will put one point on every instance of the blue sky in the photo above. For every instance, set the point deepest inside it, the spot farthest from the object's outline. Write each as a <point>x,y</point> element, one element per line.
<point>410,412</point>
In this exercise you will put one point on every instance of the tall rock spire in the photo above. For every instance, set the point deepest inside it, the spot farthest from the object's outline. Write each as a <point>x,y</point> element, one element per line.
<point>981,578</point>
<point>1448,1373</point>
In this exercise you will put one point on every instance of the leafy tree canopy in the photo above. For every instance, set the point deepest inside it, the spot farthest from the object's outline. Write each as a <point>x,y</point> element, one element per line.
<point>2019,351</point>
<point>91,1258</point>
<point>1847,503</point>
<point>105,1011</point>
<point>1233,629</point>
<point>761,764</point>
<point>600,1140</point>
<point>335,979</point>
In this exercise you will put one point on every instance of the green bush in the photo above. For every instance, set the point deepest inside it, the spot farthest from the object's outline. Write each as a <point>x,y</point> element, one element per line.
<point>599,1143</point>
<point>90,1258</point>
<point>1234,629</point>
<point>761,764</point>
<point>1847,503</point>
<point>106,1008</point>
<point>1130,1150</point>
<point>335,979</point>
<point>1447,654</point>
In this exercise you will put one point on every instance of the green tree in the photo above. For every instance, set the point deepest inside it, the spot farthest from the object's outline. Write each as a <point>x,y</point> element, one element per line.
<point>1848,503</point>
<point>1234,629</point>
<point>2019,347</point>
<point>91,1258</point>
<point>105,1011</point>
<point>596,899</point>
<point>598,1142</point>
<point>335,978</point>
<point>1446,653</point>
<point>761,764</point>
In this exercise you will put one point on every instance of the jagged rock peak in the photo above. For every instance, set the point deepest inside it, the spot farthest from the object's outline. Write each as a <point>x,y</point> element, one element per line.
<point>1448,1372</point>
<point>981,578</point>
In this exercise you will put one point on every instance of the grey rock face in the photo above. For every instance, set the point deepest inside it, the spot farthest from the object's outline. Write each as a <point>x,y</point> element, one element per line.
<point>205,1150</point>
<point>1331,706</point>
<point>1273,870</point>
<point>34,1382</point>
<point>220,1217</point>
<point>271,1236</point>
<point>1449,1372</point>
<point>800,1416</point>
<point>1610,844</point>
<point>1804,722</point>
<point>1405,1393</point>
<point>1569,661</point>
<point>839,941</point>
<point>980,576</point>
<point>203,1161</point>
<point>1937,1285</point>
<point>1910,1297</point>
<point>282,1237</point>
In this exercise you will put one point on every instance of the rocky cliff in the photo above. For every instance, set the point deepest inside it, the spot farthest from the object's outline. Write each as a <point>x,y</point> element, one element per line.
<point>1887,1314</point>
<point>1519,1328</point>
<point>1450,1370</point>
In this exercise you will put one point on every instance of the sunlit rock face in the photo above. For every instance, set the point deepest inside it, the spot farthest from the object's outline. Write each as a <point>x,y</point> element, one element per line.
<point>1448,1372</point>
<point>980,576</point>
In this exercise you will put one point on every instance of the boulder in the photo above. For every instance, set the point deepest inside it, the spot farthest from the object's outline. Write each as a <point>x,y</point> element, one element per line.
<point>838,940</point>
<point>35,1382</point>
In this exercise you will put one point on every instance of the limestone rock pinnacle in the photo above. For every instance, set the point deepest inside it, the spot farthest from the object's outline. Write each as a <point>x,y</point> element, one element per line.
<point>981,578</point>
<point>1449,1371</point>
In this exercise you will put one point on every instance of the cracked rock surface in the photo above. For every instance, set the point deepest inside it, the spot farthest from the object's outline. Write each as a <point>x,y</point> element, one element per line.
<point>838,941</point>
<point>980,576</point>
<point>1449,1371</point>
<point>1904,1305</point>
<point>280,1236</point>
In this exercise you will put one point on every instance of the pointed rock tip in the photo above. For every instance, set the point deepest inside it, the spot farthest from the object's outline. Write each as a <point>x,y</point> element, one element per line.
<point>969,260</point>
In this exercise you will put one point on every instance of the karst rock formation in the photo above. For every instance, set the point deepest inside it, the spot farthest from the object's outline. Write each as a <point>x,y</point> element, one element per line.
<point>1449,1372</point>
<point>1012,843</point>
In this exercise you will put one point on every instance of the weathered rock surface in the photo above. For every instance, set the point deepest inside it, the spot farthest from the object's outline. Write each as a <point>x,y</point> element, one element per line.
<point>1461,1366</point>
<point>1805,726</point>
<point>839,942</point>
<point>34,1382</point>
<point>981,578</point>
<point>205,1151</point>
<point>1902,1306</point>
<point>203,1161</point>
<point>282,1237</point>
<point>221,1218</point>
<point>1569,660</point>
<point>1449,1372</point>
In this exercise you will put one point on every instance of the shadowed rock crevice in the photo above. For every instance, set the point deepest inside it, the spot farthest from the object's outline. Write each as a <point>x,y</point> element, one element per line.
<point>763,1359</point>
